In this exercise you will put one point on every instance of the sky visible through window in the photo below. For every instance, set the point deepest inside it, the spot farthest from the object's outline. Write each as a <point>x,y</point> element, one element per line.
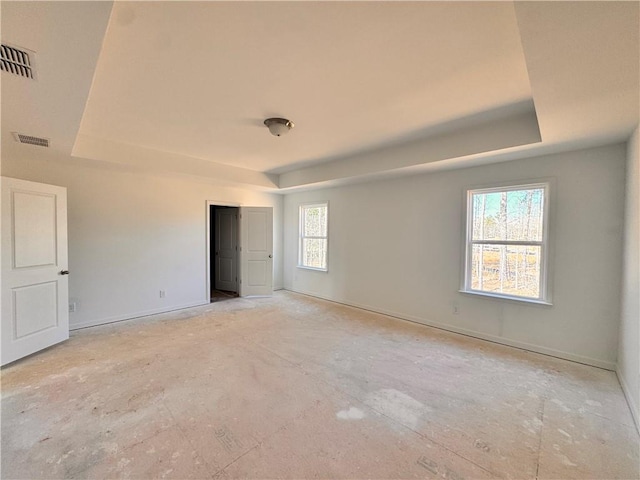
<point>513,215</point>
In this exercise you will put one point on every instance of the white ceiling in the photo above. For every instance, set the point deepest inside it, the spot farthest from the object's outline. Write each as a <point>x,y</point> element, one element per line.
<point>184,87</point>
<point>67,37</point>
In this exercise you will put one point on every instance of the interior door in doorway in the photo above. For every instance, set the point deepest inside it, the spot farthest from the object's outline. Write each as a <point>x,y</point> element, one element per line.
<point>256,255</point>
<point>226,249</point>
<point>35,288</point>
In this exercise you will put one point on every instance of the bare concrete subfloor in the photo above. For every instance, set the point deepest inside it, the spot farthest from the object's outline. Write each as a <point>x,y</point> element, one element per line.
<point>294,387</point>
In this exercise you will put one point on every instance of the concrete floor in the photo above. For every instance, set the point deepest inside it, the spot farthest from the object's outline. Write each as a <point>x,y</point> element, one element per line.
<point>293,387</point>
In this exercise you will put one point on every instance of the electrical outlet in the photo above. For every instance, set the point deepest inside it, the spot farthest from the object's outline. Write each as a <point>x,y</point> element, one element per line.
<point>73,307</point>
<point>163,294</point>
<point>456,308</point>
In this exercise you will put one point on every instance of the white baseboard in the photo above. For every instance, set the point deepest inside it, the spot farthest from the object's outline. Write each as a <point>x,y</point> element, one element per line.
<point>594,362</point>
<point>145,313</point>
<point>630,400</point>
<point>131,316</point>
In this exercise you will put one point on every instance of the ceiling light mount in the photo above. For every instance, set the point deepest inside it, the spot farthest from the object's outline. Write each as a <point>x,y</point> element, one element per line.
<point>278,126</point>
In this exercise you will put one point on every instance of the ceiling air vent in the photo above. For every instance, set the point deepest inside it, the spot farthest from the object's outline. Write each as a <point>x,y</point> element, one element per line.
<point>31,140</point>
<point>18,61</point>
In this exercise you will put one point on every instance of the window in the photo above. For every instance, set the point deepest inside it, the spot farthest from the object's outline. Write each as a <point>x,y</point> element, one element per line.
<point>507,248</point>
<point>313,236</point>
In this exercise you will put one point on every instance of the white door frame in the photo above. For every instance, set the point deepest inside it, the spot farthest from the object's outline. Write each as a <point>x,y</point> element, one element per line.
<point>213,203</point>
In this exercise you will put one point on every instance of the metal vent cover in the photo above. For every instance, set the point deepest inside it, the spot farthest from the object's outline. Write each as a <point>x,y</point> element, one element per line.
<point>31,140</point>
<point>18,61</point>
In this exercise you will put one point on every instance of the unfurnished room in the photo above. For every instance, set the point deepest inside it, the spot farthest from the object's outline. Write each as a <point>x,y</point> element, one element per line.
<point>329,240</point>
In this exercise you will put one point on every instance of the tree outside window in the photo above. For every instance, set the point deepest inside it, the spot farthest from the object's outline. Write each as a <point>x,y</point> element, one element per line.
<point>313,236</point>
<point>507,241</point>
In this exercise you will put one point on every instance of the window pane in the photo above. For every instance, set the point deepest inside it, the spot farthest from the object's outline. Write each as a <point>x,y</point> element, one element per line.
<point>512,270</point>
<point>315,222</point>
<point>314,252</point>
<point>512,215</point>
<point>524,214</point>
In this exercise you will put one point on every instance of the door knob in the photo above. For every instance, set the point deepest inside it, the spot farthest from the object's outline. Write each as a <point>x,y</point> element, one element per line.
<point>270,256</point>
<point>64,272</point>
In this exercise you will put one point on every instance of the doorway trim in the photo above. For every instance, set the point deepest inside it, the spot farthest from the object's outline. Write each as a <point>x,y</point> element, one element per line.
<point>213,203</point>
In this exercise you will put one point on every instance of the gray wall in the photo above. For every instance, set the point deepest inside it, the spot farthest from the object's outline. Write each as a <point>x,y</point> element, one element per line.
<point>132,234</point>
<point>396,246</point>
<point>629,355</point>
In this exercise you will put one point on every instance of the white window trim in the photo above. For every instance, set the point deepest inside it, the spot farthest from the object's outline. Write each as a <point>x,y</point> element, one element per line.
<point>548,185</point>
<point>301,208</point>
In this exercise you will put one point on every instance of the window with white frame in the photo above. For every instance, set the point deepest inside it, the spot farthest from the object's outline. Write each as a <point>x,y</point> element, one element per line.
<point>507,242</point>
<point>314,219</point>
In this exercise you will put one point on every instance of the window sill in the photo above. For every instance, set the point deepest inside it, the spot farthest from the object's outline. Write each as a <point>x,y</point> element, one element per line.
<point>325,270</point>
<point>510,298</point>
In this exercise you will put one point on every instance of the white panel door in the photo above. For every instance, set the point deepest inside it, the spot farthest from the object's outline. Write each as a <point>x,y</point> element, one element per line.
<point>256,253</point>
<point>35,288</point>
<point>226,249</point>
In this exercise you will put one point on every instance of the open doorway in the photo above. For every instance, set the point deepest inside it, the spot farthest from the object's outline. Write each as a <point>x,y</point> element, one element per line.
<point>223,252</point>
